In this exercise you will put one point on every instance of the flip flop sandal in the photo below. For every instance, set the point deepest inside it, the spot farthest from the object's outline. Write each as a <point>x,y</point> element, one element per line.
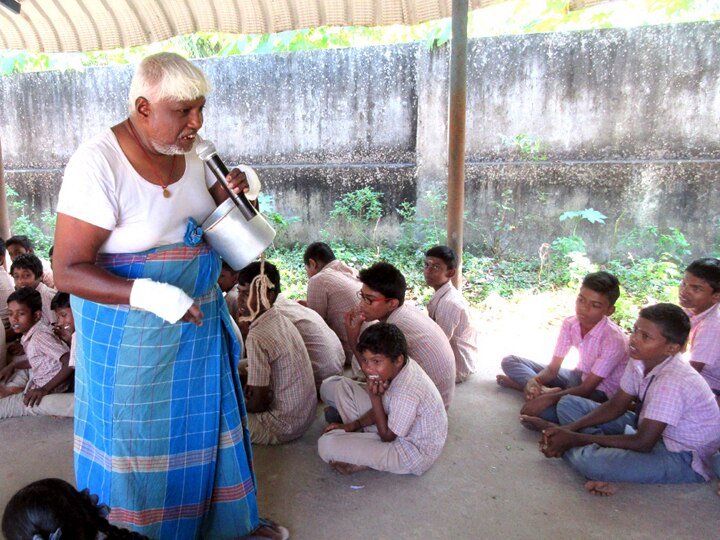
<point>282,531</point>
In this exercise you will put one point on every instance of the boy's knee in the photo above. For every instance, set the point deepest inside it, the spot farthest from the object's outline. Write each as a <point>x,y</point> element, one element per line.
<point>585,461</point>
<point>508,362</point>
<point>570,408</point>
<point>327,389</point>
<point>326,445</point>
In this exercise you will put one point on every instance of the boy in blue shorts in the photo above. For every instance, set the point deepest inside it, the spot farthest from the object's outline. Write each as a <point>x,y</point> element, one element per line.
<point>673,431</point>
<point>602,347</point>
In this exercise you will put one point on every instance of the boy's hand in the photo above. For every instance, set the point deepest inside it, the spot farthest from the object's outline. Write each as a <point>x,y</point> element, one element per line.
<point>34,397</point>
<point>376,387</point>
<point>63,333</point>
<point>353,323</point>
<point>349,427</point>
<point>556,441</point>
<point>15,349</point>
<point>6,373</point>
<point>533,389</point>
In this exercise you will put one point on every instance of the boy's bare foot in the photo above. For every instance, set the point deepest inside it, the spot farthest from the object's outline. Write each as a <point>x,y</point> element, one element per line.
<point>604,489</point>
<point>6,391</point>
<point>507,382</point>
<point>347,468</point>
<point>268,529</point>
<point>535,423</point>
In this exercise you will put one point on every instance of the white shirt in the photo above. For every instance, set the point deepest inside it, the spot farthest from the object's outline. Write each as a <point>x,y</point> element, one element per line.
<point>102,188</point>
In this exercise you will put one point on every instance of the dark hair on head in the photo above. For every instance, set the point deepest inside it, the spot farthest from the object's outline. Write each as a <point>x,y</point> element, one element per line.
<point>21,240</point>
<point>60,300</point>
<point>3,248</point>
<point>707,269</point>
<point>47,505</point>
<point>603,283</point>
<point>673,322</point>
<point>318,251</point>
<point>28,261</point>
<point>247,274</point>
<point>445,254</point>
<point>51,251</point>
<point>27,296</point>
<point>386,279</point>
<point>383,338</point>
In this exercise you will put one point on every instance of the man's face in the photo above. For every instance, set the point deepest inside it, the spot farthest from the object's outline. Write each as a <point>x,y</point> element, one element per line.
<point>696,294</point>
<point>172,125</point>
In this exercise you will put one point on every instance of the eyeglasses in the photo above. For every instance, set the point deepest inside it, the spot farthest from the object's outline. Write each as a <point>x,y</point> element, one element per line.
<point>433,266</point>
<point>370,300</point>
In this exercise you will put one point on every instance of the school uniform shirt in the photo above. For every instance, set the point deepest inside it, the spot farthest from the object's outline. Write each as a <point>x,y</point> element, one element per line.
<point>428,346</point>
<point>326,353</point>
<point>44,350</point>
<point>603,351</point>
<point>704,343</point>
<point>7,287</point>
<point>332,292</point>
<point>675,394</point>
<point>47,277</point>
<point>416,414</point>
<point>277,358</point>
<point>448,308</point>
<point>47,294</point>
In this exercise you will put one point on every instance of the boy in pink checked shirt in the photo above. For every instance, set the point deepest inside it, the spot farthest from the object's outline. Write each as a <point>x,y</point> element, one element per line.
<point>47,360</point>
<point>449,309</point>
<point>673,431</point>
<point>396,422</point>
<point>699,294</point>
<point>603,354</point>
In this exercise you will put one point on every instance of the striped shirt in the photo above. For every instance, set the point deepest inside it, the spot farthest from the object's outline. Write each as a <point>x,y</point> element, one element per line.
<point>428,346</point>
<point>417,416</point>
<point>332,292</point>
<point>44,350</point>
<point>704,344</point>
<point>47,294</point>
<point>449,309</point>
<point>675,394</point>
<point>323,346</point>
<point>603,351</point>
<point>7,287</point>
<point>277,358</point>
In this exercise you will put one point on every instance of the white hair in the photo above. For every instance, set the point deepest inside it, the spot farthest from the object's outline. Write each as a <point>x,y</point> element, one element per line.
<point>167,75</point>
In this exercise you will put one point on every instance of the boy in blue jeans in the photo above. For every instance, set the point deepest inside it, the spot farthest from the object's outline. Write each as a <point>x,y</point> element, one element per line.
<point>602,347</point>
<point>672,433</point>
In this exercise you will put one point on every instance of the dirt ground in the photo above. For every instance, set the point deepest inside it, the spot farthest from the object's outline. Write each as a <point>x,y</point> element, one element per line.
<point>490,482</point>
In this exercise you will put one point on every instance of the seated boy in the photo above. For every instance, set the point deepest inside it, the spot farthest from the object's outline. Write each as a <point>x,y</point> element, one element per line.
<point>382,298</point>
<point>20,244</point>
<point>699,294</point>
<point>449,309</point>
<point>323,346</point>
<point>26,270</point>
<point>396,422</point>
<point>228,285</point>
<point>602,347</point>
<point>280,392</point>
<point>674,430</point>
<point>331,291</point>
<point>47,357</point>
<point>65,326</point>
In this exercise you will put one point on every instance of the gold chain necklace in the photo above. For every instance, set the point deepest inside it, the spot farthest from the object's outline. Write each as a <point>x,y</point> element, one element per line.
<point>164,186</point>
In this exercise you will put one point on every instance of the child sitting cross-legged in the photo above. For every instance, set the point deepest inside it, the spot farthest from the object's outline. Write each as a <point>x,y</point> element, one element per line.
<point>47,358</point>
<point>673,431</point>
<point>280,392</point>
<point>396,422</point>
<point>602,347</point>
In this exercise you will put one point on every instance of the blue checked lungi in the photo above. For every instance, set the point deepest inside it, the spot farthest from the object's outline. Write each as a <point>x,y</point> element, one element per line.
<point>160,423</point>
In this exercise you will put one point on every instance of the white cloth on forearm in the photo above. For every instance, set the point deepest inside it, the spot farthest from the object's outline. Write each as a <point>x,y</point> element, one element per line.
<point>162,299</point>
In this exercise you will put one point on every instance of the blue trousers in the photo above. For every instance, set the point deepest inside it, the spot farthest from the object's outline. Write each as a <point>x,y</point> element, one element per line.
<point>659,466</point>
<point>521,370</point>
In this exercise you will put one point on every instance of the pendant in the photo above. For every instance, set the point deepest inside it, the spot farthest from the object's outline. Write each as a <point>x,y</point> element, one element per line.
<point>166,193</point>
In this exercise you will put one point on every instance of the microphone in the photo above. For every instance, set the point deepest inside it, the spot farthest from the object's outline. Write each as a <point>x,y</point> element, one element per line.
<point>206,151</point>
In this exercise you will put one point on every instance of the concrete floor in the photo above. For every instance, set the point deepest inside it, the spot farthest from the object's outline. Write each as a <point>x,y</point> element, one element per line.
<point>490,482</point>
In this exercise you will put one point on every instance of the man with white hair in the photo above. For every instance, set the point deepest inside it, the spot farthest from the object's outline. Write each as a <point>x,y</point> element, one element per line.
<point>159,413</point>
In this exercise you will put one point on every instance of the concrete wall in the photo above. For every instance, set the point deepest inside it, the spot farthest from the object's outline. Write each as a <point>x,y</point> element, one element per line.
<point>626,118</point>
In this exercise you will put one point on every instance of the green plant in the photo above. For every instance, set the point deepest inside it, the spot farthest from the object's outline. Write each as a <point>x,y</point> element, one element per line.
<point>587,214</point>
<point>526,145</point>
<point>430,228</point>
<point>26,223</point>
<point>280,223</point>
<point>360,211</point>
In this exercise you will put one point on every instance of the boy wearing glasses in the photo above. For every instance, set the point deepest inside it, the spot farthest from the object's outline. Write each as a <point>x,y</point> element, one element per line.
<point>449,309</point>
<point>382,298</point>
